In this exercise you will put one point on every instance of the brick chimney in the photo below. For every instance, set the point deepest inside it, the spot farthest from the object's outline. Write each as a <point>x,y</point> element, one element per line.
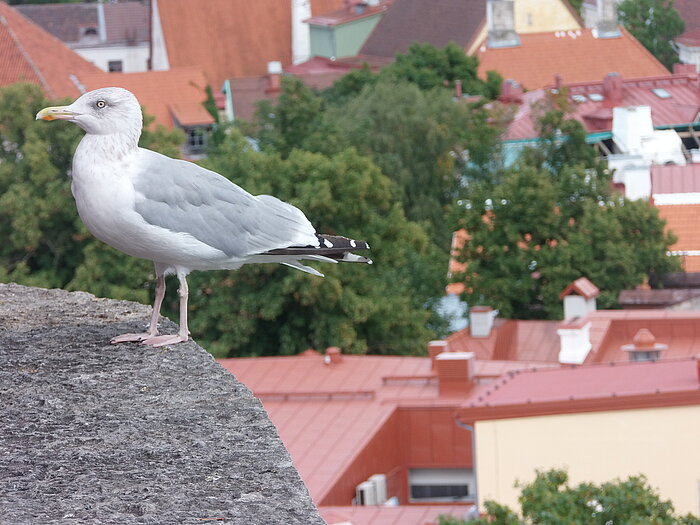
<point>644,347</point>
<point>500,19</point>
<point>333,355</point>
<point>481,320</point>
<point>455,371</point>
<point>607,20</point>
<point>511,92</point>
<point>685,69</point>
<point>274,76</point>
<point>435,348</point>
<point>612,89</point>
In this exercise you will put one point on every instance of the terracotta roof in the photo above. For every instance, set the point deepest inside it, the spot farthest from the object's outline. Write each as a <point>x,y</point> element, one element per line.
<point>690,13</point>
<point>248,35</point>
<point>683,220</point>
<point>675,179</point>
<point>161,92</point>
<point>593,108</point>
<point>576,56</point>
<point>656,298</point>
<point>581,286</point>
<point>437,22</point>
<point>28,53</point>
<point>587,389</point>
<point>125,22</point>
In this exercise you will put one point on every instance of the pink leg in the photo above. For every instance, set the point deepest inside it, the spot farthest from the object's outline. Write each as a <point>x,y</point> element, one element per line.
<point>183,334</point>
<point>153,327</point>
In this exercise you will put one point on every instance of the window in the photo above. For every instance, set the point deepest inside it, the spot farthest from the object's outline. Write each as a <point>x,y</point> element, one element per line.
<point>441,484</point>
<point>114,66</point>
<point>595,97</point>
<point>196,139</point>
<point>661,93</point>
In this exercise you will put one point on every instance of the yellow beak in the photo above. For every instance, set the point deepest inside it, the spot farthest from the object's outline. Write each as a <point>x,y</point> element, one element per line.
<point>55,113</point>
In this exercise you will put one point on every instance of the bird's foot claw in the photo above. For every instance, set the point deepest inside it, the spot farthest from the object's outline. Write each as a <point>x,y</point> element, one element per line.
<point>131,338</point>
<point>163,340</point>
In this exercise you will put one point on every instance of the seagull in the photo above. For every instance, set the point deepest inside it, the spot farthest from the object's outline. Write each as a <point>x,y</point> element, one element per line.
<point>175,213</point>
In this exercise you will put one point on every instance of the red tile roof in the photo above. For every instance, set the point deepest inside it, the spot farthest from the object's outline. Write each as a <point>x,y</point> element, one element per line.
<point>586,389</point>
<point>681,107</point>
<point>576,56</point>
<point>28,53</point>
<point>163,94</point>
<point>675,179</point>
<point>437,22</point>
<point>345,15</point>
<point>248,35</point>
<point>683,220</point>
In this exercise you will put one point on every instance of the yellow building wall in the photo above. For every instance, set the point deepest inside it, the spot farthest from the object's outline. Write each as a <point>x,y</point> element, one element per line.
<point>662,443</point>
<point>537,16</point>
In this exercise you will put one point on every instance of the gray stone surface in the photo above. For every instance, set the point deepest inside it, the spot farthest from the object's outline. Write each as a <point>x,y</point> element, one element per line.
<point>94,433</point>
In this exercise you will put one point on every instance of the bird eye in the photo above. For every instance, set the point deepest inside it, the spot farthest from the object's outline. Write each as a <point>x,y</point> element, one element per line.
<point>100,104</point>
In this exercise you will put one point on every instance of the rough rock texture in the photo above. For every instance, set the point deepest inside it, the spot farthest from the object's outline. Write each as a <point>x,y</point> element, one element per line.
<point>94,433</point>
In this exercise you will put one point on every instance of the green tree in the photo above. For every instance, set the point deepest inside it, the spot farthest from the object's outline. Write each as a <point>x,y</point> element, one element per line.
<point>533,233</point>
<point>655,23</point>
<point>270,309</point>
<point>550,500</point>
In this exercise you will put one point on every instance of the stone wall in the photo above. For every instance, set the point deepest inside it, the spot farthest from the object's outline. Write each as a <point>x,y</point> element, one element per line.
<point>93,433</point>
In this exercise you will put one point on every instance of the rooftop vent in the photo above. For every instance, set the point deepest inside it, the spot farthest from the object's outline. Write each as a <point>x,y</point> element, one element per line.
<point>481,320</point>
<point>455,371</point>
<point>333,355</point>
<point>644,347</point>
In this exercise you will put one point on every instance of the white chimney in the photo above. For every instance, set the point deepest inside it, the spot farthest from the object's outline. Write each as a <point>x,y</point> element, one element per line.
<point>301,33</point>
<point>481,320</point>
<point>607,20</point>
<point>574,341</point>
<point>579,299</point>
<point>500,20</point>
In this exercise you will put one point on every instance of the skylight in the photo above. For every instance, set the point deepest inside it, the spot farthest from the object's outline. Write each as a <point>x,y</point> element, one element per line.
<point>595,97</point>
<point>661,93</point>
<point>578,98</point>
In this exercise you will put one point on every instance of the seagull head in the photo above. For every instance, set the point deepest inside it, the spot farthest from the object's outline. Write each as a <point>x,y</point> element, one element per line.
<point>103,111</point>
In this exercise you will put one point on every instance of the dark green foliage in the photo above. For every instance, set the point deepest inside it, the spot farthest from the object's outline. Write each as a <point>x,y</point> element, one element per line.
<point>655,23</point>
<point>533,233</point>
<point>210,104</point>
<point>550,500</point>
<point>271,309</point>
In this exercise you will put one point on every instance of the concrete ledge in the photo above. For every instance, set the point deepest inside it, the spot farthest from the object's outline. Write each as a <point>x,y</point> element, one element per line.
<point>92,433</point>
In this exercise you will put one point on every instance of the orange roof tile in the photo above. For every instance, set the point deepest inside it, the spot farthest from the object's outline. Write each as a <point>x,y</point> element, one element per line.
<point>161,93</point>
<point>28,53</point>
<point>248,35</point>
<point>574,56</point>
<point>682,220</point>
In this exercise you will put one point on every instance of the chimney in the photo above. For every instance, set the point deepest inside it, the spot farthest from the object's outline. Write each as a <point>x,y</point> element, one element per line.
<point>579,299</point>
<point>644,347</point>
<point>481,320</point>
<point>612,89</point>
<point>574,341</point>
<point>500,19</point>
<point>685,69</point>
<point>607,20</point>
<point>274,76</point>
<point>333,355</point>
<point>511,92</point>
<point>435,348</point>
<point>301,33</point>
<point>455,371</point>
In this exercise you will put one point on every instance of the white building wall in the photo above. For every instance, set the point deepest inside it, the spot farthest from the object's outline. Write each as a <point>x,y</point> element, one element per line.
<point>134,58</point>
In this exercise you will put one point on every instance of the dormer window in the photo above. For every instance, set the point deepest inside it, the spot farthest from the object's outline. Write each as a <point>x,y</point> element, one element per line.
<point>89,34</point>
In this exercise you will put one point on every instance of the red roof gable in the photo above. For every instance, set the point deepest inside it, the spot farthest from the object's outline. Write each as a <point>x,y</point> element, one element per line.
<point>581,286</point>
<point>248,35</point>
<point>28,53</point>
<point>576,56</point>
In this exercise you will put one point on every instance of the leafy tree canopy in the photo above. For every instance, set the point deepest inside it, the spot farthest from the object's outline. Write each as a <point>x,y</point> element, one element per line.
<point>655,23</point>
<point>550,500</point>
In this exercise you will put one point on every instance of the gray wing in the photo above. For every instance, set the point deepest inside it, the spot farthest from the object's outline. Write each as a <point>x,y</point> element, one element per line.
<point>183,197</point>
